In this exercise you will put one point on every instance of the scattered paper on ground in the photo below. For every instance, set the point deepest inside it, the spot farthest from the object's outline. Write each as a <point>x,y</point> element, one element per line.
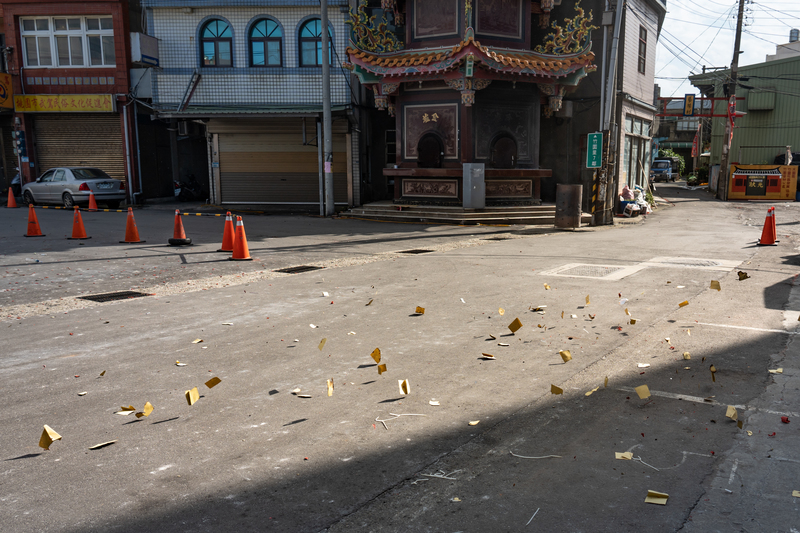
<point>715,285</point>
<point>381,369</point>
<point>352,333</point>
<point>312,326</point>
<point>776,371</point>
<point>659,498</point>
<point>227,323</point>
<point>587,299</point>
<point>627,312</point>
<point>643,365</point>
<point>434,402</point>
<point>743,275</point>
<point>632,321</point>
<point>487,356</point>
<point>501,311</point>
<point>683,303</point>
<point>643,391</point>
<point>369,302</point>
<point>405,388</point>
<point>732,413</point>
<point>213,382</point>
<point>605,383</point>
<point>197,341</point>
<point>687,355</point>
<point>192,396</point>
<point>148,408</point>
<point>503,344</point>
<point>84,393</point>
<point>565,355</point>
<point>376,354</point>
<point>125,411</point>
<point>515,325</point>
<point>322,343</point>
<point>420,310</point>
<point>330,387</point>
<point>592,391</point>
<point>178,363</point>
<point>628,456</point>
<point>102,445</point>
<point>546,287</point>
<point>796,493</point>
<point>103,373</point>
<point>325,294</point>
<point>474,422</point>
<point>49,436</point>
<point>713,373</point>
<point>556,390</point>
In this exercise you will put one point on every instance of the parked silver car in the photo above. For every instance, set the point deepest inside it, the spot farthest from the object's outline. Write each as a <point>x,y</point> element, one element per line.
<point>72,185</point>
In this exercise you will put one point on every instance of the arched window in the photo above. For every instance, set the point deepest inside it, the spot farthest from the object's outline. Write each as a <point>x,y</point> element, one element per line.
<point>265,44</point>
<point>311,44</point>
<point>217,42</point>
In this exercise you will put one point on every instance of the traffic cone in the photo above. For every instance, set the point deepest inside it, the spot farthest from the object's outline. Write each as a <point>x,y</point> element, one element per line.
<point>768,233</point>
<point>774,228</point>
<point>131,232</point>
<point>78,231</point>
<point>92,202</point>
<point>227,235</point>
<point>33,224</point>
<point>240,250</point>
<point>178,235</point>
<point>12,202</point>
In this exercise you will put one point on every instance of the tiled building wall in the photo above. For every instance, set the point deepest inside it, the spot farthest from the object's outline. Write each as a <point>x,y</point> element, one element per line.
<point>242,85</point>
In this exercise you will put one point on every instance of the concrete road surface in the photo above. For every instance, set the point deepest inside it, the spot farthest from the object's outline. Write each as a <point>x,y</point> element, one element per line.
<point>477,444</point>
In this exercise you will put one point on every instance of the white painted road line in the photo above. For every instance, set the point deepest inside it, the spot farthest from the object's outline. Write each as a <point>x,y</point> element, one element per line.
<point>750,328</point>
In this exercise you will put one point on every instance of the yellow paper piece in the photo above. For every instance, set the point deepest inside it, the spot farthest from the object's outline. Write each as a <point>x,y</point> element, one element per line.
<point>689,332</point>
<point>148,408</point>
<point>546,287</point>
<point>687,355</point>
<point>796,493</point>
<point>562,314</point>
<point>627,456</point>
<point>715,285</point>
<point>659,498</point>
<point>192,396</point>
<point>474,422</point>
<point>749,433</point>
<point>632,321</point>
<point>125,411</point>
<point>556,390</point>
<point>713,373</point>
<point>102,445</point>
<point>587,299</point>
<point>420,310</point>
<point>732,413</point>
<point>501,311</point>
<point>515,325</point>
<point>743,275</point>
<point>627,312</point>
<point>592,391</point>
<point>304,396</point>
<point>103,373</point>
<point>434,402</point>
<point>84,393</point>
<point>739,424</point>
<point>565,355</point>
<point>605,383</point>
<point>683,303</point>
<point>178,363</point>
<point>487,355</point>
<point>213,382</point>
<point>456,499</point>
<point>369,302</point>
<point>776,371</point>
<point>376,354</point>
<point>643,391</point>
<point>197,341</point>
<point>322,343</point>
<point>405,388</point>
<point>381,369</point>
<point>330,387</point>
<point>49,436</point>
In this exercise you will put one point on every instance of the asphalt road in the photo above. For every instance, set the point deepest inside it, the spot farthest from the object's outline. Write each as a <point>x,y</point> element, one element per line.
<point>251,455</point>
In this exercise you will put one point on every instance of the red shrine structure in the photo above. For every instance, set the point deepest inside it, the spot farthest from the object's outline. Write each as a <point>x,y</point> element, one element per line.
<point>466,84</point>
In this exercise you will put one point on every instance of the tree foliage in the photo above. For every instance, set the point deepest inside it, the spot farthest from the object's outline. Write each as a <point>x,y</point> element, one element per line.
<point>666,152</point>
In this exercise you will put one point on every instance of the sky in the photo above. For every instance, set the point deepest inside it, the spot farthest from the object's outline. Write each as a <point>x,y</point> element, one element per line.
<point>702,33</point>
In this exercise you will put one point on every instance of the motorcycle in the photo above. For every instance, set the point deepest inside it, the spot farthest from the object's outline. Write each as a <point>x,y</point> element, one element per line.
<point>189,190</point>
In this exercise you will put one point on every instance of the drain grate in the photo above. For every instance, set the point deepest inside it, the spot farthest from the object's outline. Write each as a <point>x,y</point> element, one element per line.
<point>590,271</point>
<point>690,262</point>
<point>416,251</point>
<point>298,269</point>
<point>111,296</point>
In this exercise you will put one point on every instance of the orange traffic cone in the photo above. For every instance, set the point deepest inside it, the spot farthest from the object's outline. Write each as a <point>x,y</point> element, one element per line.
<point>92,202</point>
<point>12,202</point>
<point>774,228</point>
<point>178,235</point>
<point>33,224</point>
<point>78,231</point>
<point>227,235</point>
<point>131,232</point>
<point>240,250</point>
<point>768,233</point>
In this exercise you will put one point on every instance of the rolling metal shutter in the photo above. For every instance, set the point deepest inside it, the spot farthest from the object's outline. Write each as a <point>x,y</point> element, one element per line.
<point>80,140</point>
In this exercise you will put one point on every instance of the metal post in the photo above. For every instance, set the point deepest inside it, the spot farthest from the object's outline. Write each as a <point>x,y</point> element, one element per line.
<point>127,153</point>
<point>612,66</point>
<point>326,110</point>
<point>138,149</point>
<point>321,171</point>
<point>722,189</point>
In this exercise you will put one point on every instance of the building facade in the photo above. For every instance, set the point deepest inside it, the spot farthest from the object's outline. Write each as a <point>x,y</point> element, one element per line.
<point>245,78</point>
<point>70,66</point>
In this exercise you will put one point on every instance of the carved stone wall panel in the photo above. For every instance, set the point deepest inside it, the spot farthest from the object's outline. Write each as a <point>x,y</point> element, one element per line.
<point>515,119</point>
<point>499,18</point>
<point>435,19</point>
<point>430,188</point>
<point>420,119</point>
<point>509,188</point>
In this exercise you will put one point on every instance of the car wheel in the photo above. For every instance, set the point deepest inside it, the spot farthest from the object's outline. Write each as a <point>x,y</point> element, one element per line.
<point>69,202</point>
<point>28,198</point>
<point>113,204</point>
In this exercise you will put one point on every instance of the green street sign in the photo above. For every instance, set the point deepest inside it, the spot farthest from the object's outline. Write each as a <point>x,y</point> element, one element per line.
<point>594,150</point>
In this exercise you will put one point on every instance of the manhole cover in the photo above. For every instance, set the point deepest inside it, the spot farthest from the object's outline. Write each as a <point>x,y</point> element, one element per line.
<point>590,271</point>
<point>298,269</point>
<point>690,262</point>
<point>111,296</point>
<point>418,251</point>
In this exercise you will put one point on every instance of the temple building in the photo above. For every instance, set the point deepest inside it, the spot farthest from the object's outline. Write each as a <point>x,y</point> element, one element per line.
<point>466,81</point>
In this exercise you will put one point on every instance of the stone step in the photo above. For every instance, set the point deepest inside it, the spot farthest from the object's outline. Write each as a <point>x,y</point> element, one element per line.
<point>401,216</point>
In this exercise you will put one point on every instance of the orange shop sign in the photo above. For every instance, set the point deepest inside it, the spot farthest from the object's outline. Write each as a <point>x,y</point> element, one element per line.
<point>6,92</point>
<point>64,103</point>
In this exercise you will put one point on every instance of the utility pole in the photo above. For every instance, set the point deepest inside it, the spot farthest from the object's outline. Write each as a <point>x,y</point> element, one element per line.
<point>722,189</point>
<point>326,111</point>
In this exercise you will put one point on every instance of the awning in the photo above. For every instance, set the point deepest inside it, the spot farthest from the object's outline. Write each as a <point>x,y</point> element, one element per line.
<point>250,112</point>
<point>757,172</point>
<point>675,145</point>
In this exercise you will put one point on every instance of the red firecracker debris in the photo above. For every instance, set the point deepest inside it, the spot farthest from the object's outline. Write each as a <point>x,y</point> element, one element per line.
<point>771,434</point>
<point>785,419</point>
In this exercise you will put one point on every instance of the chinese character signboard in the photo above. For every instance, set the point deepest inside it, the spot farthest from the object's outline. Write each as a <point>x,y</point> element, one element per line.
<point>64,103</point>
<point>688,105</point>
<point>6,101</point>
<point>594,150</point>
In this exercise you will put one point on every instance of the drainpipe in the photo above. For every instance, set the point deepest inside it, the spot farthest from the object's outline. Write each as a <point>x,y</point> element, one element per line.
<point>127,151</point>
<point>138,149</point>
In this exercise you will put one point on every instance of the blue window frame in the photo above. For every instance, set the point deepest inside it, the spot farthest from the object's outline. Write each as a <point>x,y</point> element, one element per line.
<point>216,44</point>
<point>311,44</point>
<point>266,43</point>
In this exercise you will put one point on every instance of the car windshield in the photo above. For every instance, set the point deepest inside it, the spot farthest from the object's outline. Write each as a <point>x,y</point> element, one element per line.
<point>89,174</point>
<point>661,164</point>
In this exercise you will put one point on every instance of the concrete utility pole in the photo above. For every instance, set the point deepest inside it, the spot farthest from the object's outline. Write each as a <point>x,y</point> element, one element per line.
<point>326,111</point>
<point>722,188</point>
